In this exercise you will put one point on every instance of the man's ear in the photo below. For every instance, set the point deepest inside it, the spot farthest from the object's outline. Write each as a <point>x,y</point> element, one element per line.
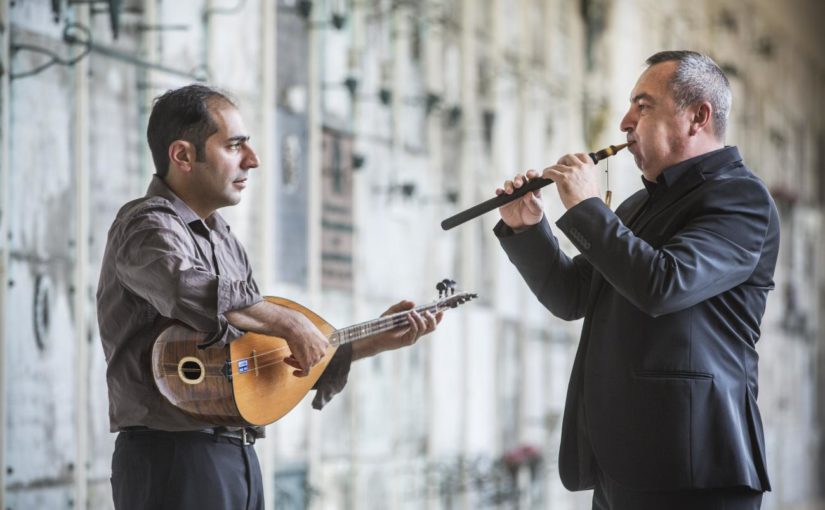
<point>182,155</point>
<point>701,117</point>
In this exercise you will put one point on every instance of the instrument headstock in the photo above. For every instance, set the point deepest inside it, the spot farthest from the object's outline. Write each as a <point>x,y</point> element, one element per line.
<point>448,298</point>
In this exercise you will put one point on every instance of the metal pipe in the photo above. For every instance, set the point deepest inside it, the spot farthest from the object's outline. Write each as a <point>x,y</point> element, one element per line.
<point>267,260</point>
<point>5,55</point>
<point>150,50</point>
<point>469,265</point>
<point>314,161</point>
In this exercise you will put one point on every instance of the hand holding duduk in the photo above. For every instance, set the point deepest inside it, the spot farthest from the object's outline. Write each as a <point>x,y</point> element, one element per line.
<point>576,179</point>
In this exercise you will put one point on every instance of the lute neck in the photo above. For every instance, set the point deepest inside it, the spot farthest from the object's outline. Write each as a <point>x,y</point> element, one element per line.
<point>380,325</point>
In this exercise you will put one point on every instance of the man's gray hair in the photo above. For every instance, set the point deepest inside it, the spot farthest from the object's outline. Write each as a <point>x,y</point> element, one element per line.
<point>698,78</point>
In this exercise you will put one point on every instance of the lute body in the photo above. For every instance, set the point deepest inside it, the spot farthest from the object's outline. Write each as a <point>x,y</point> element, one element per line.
<point>247,382</point>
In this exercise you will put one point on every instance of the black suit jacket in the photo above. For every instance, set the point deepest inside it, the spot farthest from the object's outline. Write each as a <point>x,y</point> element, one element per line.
<point>672,289</point>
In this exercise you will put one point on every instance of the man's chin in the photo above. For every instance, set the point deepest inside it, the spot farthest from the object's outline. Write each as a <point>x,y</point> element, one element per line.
<point>231,199</point>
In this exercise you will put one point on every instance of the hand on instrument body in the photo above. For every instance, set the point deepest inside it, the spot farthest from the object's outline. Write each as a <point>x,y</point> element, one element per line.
<point>576,178</point>
<point>419,324</point>
<point>305,340</point>
<point>525,211</point>
<point>307,343</point>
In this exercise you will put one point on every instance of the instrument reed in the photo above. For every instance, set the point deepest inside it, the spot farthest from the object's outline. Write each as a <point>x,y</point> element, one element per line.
<point>500,200</point>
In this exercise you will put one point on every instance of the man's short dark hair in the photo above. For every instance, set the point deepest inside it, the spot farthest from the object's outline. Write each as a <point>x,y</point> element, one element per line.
<point>182,114</point>
<point>698,78</point>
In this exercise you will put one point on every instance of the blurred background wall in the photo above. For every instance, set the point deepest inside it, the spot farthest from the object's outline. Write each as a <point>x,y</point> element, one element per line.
<point>374,120</point>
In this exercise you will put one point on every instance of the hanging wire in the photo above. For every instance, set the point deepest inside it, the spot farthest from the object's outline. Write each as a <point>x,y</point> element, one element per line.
<point>434,16</point>
<point>74,33</point>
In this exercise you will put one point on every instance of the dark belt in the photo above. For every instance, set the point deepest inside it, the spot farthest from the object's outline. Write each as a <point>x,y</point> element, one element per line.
<point>245,436</point>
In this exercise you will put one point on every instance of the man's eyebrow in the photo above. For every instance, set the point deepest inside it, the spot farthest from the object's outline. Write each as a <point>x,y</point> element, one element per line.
<point>642,95</point>
<point>238,138</point>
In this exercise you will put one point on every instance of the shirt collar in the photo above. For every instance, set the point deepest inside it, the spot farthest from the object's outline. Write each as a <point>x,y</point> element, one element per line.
<point>673,173</point>
<point>159,188</point>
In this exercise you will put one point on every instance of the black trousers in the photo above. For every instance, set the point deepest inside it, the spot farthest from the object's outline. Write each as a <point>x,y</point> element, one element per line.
<point>608,495</point>
<point>184,470</point>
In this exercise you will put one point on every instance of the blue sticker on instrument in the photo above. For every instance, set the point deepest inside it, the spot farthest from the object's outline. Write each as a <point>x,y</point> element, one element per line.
<point>243,366</point>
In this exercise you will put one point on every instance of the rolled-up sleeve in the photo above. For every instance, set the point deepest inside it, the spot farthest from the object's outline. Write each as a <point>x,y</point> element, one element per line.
<point>232,295</point>
<point>159,261</point>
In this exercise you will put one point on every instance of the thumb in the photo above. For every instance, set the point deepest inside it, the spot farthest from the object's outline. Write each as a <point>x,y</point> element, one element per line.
<point>399,307</point>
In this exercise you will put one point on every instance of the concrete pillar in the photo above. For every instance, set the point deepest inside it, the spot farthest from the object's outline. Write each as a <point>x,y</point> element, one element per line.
<point>357,49</point>
<point>314,439</point>
<point>81,269</point>
<point>434,50</point>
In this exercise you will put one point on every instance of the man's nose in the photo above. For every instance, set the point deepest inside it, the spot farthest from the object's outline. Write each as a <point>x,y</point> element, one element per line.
<point>251,159</point>
<point>627,123</point>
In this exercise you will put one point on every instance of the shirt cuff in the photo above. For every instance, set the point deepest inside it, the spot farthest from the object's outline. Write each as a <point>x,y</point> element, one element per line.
<point>232,295</point>
<point>235,295</point>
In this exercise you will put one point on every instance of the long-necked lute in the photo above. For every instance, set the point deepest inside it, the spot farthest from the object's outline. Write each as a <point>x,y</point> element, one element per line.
<point>247,382</point>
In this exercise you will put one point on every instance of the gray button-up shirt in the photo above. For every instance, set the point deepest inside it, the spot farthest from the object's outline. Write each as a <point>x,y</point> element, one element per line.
<point>163,262</point>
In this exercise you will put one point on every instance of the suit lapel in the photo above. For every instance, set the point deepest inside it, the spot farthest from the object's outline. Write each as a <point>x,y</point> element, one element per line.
<point>629,218</point>
<point>670,196</point>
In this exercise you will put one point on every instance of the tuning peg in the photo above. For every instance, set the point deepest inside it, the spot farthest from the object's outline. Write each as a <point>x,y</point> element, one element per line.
<point>449,286</point>
<point>441,287</point>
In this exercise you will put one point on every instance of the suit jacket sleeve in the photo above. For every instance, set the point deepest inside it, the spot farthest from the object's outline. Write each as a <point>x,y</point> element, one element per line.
<point>716,249</point>
<point>560,283</point>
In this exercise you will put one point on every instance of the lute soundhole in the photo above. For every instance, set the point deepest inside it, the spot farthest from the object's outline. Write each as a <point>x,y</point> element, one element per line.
<point>191,370</point>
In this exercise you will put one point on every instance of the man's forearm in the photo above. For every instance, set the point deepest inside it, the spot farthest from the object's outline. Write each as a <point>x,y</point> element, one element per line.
<point>264,318</point>
<point>365,348</point>
<point>306,342</point>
